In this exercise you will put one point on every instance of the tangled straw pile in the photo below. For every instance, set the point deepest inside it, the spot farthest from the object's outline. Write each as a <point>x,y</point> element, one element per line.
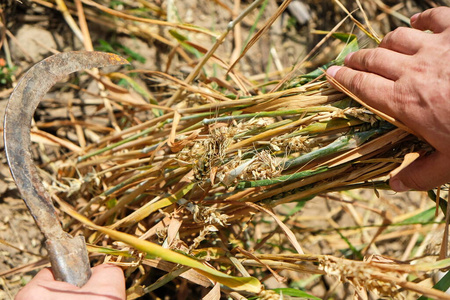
<point>187,165</point>
<point>185,177</point>
<point>211,158</point>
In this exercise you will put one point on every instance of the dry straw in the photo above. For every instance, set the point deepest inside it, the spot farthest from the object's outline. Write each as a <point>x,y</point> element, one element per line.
<point>182,179</point>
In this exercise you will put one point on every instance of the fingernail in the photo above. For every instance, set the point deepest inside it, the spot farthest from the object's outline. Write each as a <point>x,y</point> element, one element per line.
<point>414,17</point>
<point>398,186</point>
<point>333,70</point>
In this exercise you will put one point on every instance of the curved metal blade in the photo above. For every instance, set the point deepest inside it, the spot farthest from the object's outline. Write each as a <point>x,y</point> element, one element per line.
<point>68,255</point>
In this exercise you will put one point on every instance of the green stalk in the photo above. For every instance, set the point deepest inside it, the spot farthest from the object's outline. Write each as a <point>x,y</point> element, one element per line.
<point>341,144</point>
<point>265,128</point>
<point>264,114</point>
<point>248,284</point>
<point>151,207</point>
<point>319,127</point>
<point>281,179</point>
<point>112,146</point>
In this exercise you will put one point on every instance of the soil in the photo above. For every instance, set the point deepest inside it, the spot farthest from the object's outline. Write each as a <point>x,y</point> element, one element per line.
<point>35,31</point>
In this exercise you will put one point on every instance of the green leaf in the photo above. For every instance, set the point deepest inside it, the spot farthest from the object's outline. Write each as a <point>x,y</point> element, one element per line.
<point>298,207</point>
<point>352,46</point>
<point>355,251</point>
<point>294,293</point>
<point>151,207</point>
<point>442,285</point>
<point>345,37</point>
<point>111,203</point>
<point>422,217</point>
<point>182,40</point>
<point>134,55</point>
<point>106,47</point>
<point>248,284</point>
<point>141,91</point>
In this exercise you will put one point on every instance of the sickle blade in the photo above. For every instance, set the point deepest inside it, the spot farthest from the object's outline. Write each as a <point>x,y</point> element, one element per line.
<point>68,255</point>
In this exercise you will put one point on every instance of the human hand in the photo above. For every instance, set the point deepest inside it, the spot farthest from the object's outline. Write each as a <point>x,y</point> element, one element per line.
<point>106,283</point>
<point>408,78</point>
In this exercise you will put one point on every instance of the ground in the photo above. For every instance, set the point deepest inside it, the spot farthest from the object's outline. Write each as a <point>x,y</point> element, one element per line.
<point>35,29</point>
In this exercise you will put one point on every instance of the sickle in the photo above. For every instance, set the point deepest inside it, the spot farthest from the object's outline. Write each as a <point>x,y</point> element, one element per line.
<point>68,255</point>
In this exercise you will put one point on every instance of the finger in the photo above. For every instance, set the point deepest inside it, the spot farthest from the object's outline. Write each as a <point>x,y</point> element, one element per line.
<point>107,278</point>
<point>435,19</point>
<point>114,273</point>
<point>44,275</point>
<point>424,174</point>
<point>39,287</point>
<point>373,89</point>
<point>404,40</point>
<point>380,61</point>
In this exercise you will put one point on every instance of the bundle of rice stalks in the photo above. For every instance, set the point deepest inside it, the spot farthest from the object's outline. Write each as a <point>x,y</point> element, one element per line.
<point>187,176</point>
<point>271,149</point>
<point>189,164</point>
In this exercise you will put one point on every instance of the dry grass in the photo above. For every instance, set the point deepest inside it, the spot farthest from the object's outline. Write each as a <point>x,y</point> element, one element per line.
<point>245,174</point>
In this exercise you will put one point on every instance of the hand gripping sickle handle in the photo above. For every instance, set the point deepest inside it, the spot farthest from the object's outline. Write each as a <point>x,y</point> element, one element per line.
<point>68,255</point>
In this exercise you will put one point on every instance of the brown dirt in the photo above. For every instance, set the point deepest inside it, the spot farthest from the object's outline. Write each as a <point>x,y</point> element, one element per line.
<point>38,29</point>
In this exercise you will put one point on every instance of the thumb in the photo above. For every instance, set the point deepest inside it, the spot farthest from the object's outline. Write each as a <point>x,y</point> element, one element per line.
<point>423,174</point>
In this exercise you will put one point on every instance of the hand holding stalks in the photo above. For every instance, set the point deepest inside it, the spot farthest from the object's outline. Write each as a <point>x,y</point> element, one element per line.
<point>408,77</point>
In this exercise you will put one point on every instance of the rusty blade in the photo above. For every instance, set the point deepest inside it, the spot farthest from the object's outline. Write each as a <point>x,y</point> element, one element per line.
<point>68,255</point>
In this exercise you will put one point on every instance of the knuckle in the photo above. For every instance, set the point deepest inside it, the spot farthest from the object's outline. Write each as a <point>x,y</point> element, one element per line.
<point>368,59</point>
<point>432,17</point>
<point>434,13</point>
<point>399,32</point>
<point>391,37</point>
